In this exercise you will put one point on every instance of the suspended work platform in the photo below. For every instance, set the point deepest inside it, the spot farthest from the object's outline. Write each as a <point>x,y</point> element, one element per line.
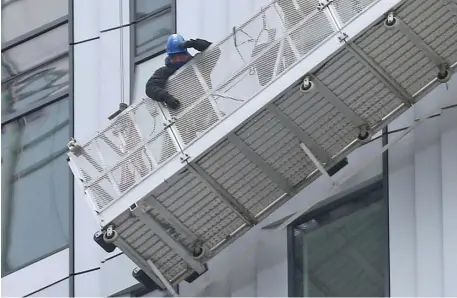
<point>266,111</point>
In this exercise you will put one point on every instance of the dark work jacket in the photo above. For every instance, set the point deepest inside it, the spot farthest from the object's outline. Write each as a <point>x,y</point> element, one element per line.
<point>155,87</point>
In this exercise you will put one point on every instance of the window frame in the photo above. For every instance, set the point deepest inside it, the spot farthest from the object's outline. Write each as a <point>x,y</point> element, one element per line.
<point>149,54</point>
<point>336,201</point>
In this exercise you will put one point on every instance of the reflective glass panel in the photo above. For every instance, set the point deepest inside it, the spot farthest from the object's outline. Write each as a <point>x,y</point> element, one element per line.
<point>144,7</point>
<point>36,51</point>
<point>22,16</point>
<point>19,93</point>
<point>342,252</point>
<point>35,186</point>
<point>152,33</point>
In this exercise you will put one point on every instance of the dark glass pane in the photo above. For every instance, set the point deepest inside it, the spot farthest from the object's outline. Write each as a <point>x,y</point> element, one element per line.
<point>144,7</point>
<point>17,94</point>
<point>152,33</point>
<point>35,186</point>
<point>342,253</point>
<point>22,16</point>
<point>36,51</point>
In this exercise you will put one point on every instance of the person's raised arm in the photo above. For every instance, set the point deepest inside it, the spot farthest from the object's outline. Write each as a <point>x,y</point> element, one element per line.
<point>155,88</point>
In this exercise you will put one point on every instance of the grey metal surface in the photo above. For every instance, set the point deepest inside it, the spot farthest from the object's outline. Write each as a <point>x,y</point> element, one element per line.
<point>219,195</point>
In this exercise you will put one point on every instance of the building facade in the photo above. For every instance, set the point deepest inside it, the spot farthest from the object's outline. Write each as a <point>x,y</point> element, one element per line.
<point>389,231</point>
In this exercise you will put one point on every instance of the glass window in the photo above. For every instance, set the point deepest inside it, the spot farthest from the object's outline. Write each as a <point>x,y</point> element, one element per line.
<point>35,186</point>
<point>37,50</point>
<point>22,16</point>
<point>144,7</point>
<point>152,33</point>
<point>19,93</point>
<point>342,252</point>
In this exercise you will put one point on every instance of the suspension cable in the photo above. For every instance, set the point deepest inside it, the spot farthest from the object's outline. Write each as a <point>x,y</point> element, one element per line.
<point>121,58</point>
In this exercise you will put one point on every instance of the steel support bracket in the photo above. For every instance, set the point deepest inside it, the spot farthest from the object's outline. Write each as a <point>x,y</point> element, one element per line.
<point>184,158</point>
<point>146,218</point>
<point>342,36</point>
<point>170,122</point>
<point>256,159</point>
<point>348,113</point>
<point>382,75</point>
<point>226,197</point>
<point>394,21</point>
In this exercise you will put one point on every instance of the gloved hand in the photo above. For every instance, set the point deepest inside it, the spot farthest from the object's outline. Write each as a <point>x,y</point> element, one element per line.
<point>172,103</point>
<point>198,44</point>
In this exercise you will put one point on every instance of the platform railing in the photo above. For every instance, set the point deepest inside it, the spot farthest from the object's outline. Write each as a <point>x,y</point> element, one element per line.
<point>210,87</point>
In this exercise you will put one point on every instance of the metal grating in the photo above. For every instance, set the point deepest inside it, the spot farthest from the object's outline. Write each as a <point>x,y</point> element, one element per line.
<point>323,122</point>
<point>199,209</point>
<point>435,23</point>
<point>358,87</point>
<point>277,146</point>
<point>240,177</point>
<point>391,50</point>
<point>149,246</point>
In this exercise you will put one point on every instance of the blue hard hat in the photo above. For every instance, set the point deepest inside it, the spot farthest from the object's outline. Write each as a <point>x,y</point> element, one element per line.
<point>173,44</point>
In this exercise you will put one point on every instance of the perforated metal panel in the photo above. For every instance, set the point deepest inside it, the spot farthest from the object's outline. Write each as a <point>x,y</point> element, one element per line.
<point>259,51</point>
<point>133,146</point>
<point>348,9</point>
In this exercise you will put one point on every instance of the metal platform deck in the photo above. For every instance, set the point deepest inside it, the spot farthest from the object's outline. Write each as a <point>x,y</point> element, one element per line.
<point>259,117</point>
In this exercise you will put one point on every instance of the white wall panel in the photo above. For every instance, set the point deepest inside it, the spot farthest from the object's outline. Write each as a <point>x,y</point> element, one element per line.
<point>101,67</point>
<point>422,191</point>
<point>114,71</point>
<point>86,18</point>
<point>206,19</point>
<point>36,276</point>
<point>60,289</point>
<point>113,13</point>
<point>449,200</point>
<point>87,110</point>
<point>116,275</point>
<point>88,284</point>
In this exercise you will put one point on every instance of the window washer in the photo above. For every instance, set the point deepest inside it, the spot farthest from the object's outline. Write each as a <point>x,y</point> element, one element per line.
<point>177,57</point>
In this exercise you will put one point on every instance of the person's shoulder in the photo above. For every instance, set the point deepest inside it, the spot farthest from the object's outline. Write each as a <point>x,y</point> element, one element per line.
<point>161,69</point>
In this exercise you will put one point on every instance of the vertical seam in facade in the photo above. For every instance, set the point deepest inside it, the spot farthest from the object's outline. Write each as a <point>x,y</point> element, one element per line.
<point>132,50</point>
<point>72,188</point>
<point>290,261</point>
<point>385,175</point>
<point>443,284</point>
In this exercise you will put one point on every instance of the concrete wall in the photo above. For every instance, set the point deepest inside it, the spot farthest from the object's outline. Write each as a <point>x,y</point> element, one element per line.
<point>423,200</point>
